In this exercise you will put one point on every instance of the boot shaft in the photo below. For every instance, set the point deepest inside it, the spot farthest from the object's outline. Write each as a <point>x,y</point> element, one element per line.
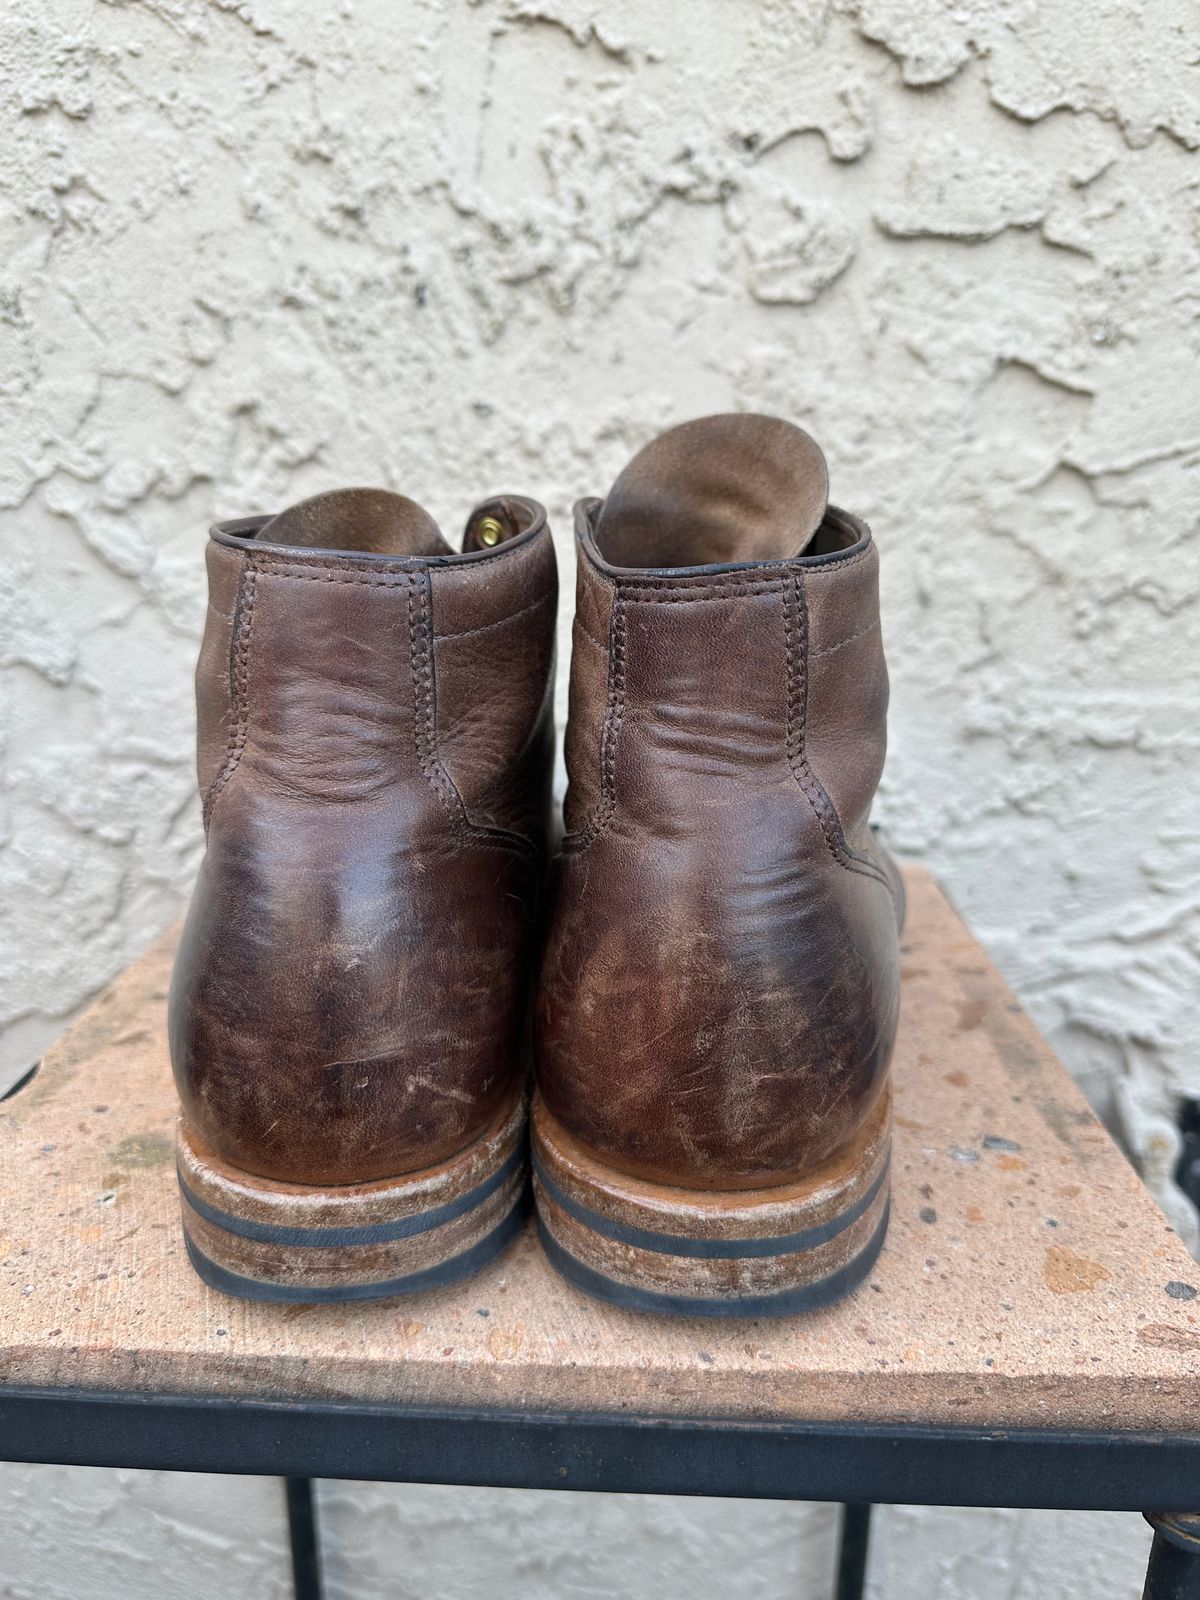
<point>698,694</point>
<point>339,677</point>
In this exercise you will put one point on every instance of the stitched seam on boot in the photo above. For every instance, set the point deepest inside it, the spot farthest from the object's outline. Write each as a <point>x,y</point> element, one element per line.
<point>721,585</point>
<point>614,708</point>
<point>239,681</point>
<point>421,657</point>
<point>608,748</point>
<point>286,569</point>
<point>795,627</point>
<point>668,594</point>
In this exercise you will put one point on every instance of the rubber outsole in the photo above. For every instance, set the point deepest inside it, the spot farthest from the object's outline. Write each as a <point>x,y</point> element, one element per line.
<point>657,1247</point>
<point>438,1277</point>
<point>335,1238</point>
<point>783,1303</point>
<point>260,1239</point>
<point>674,1244</point>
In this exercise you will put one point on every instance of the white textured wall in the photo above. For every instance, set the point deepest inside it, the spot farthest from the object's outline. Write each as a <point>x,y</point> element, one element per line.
<point>252,248</point>
<point>88,1534</point>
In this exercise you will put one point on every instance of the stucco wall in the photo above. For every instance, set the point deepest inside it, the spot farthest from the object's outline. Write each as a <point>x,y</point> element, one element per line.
<point>88,1534</point>
<point>252,248</point>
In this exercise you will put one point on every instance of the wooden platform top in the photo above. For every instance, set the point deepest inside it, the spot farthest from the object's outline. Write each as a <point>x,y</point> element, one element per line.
<point>1028,1278</point>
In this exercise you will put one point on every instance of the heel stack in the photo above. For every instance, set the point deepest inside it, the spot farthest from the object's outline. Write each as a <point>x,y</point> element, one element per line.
<point>686,1252</point>
<point>261,1240</point>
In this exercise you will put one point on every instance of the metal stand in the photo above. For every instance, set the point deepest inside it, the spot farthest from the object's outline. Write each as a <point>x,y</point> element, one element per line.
<point>302,1527</point>
<point>894,1463</point>
<point>1174,1570</point>
<point>850,1582</point>
<point>852,1552</point>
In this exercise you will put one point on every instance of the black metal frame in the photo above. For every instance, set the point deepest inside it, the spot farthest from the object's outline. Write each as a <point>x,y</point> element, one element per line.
<point>1174,1569</point>
<point>853,1544</point>
<point>902,1463</point>
<point>302,1532</point>
<point>857,1464</point>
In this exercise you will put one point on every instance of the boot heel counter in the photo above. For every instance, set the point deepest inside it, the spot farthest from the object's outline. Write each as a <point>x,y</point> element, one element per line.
<point>715,1055</point>
<point>360,1047</point>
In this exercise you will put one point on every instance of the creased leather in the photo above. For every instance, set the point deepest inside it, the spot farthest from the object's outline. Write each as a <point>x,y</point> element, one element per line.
<point>719,988</point>
<point>349,1000</point>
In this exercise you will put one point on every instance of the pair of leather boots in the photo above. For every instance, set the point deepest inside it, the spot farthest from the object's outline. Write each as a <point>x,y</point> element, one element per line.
<point>386,932</point>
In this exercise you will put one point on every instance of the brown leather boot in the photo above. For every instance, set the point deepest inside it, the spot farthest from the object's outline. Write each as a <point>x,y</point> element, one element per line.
<point>347,1016</point>
<point>719,989</point>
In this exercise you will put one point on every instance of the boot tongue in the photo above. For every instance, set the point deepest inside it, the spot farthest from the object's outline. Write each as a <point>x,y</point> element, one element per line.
<point>372,521</point>
<point>721,489</point>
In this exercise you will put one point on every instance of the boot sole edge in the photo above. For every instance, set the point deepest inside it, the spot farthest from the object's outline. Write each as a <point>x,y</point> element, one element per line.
<point>258,1239</point>
<point>783,1303</point>
<point>683,1252</point>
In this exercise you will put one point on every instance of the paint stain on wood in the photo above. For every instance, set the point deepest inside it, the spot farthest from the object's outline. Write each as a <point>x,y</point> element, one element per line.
<point>505,1343</point>
<point>1068,1273</point>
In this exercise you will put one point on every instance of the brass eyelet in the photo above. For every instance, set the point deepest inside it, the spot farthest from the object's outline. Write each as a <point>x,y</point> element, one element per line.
<point>490,532</point>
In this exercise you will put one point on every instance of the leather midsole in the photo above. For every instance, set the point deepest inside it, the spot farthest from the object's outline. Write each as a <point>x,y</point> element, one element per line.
<point>309,1240</point>
<point>661,1244</point>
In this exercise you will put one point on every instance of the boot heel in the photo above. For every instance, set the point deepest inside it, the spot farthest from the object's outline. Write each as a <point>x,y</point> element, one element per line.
<point>688,1252</point>
<point>261,1240</point>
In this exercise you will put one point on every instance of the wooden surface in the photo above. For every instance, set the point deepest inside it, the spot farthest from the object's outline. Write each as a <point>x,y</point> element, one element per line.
<point>1028,1278</point>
